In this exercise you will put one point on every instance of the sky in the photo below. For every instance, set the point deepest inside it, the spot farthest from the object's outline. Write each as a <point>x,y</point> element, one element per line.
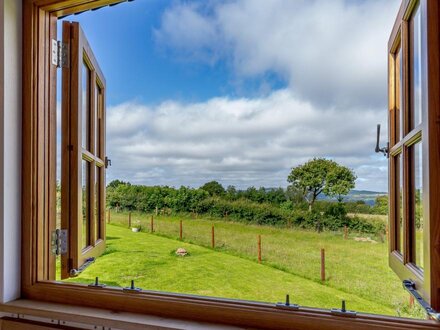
<point>241,91</point>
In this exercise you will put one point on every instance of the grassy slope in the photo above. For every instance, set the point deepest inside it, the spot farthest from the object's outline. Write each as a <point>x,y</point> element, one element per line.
<point>151,262</point>
<point>353,267</point>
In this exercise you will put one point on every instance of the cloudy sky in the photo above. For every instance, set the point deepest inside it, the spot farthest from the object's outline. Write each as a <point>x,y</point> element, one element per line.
<point>241,91</point>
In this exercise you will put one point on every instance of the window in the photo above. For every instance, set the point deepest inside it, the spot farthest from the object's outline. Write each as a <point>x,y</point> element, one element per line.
<point>39,192</point>
<point>83,116</point>
<point>410,134</point>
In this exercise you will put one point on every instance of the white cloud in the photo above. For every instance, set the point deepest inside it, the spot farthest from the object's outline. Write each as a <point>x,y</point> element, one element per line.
<point>242,142</point>
<point>330,52</point>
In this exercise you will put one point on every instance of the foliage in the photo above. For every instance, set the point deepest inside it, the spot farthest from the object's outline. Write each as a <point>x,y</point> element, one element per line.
<point>271,207</point>
<point>321,175</point>
<point>213,188</point>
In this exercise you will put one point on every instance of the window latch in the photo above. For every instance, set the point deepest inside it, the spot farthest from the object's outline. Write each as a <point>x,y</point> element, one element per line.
<point>385,150</point>
<point>287,304</point>
<point>343,311</point>
<point>59,242</point>
<point>410,286</point>
<point>108,162</point>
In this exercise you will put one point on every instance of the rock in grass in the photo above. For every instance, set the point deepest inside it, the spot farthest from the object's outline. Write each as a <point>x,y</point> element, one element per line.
<point>181,252</point>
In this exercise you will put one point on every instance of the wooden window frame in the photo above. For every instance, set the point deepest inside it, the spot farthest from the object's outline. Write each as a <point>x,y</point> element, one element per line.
<point>427,280</point>
<point>38,209</point>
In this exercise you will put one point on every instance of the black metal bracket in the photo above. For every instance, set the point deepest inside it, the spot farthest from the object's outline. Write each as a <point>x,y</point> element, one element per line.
<point>343,311</point>
<point>384,150</point>
<point>287,304</point>
<point>410,286</point>
<point>76,272</point>
<point>132,288</point>
<point>97,284</point>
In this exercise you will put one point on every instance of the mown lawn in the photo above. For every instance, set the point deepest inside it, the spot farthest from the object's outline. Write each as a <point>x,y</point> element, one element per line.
<point>352,267</point>
<point>151,261</point>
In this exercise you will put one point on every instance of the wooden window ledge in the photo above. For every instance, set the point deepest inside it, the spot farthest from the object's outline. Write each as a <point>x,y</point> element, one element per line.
<point>95,318</point>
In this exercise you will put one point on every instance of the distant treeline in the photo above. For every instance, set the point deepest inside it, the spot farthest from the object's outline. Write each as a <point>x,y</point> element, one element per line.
<point>279,207</point>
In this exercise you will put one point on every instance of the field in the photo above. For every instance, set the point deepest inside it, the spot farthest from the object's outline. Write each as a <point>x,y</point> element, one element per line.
<point>355,271</point>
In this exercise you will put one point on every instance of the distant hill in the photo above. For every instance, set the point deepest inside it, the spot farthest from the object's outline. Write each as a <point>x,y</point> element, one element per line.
<point>367,196</point>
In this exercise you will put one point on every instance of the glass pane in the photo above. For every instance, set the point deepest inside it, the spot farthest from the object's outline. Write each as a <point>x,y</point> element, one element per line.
<point>85,115</point>
<point>85,241</point>
<point>98,110</point>
<point>416,68</point>
<point>97,204</point>
<point>399,180</point>
<point>418,200</point>
<point>399,98</point>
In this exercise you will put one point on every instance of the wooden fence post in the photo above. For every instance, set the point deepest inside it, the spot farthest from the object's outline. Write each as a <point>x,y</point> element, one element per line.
<point>345,232</point>
<point>157,211</point>
<point>386,231</point>
<point>259,249</point>
<point>152,224</point>
<point>181,230</point>
<point>212,237</point>
<point>411,301</point>
<point>129,219</point>
<point>108,216</point>
<point>323,265</point>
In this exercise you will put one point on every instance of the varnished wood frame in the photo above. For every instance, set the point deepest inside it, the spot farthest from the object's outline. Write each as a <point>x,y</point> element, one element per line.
<point>428,280</point>
<point>39,26</point>
<point>73,152</point>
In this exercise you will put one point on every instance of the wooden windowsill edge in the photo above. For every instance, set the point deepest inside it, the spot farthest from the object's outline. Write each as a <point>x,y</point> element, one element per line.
<point>102,317</point>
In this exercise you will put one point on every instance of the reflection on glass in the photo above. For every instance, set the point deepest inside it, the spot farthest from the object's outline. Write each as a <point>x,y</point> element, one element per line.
<point>97,204</point>
<point>418,201</point>
<point>399,171</point>
<point>85,113</point>
<point>416,67</point>
<point>85,204</point>
<point>399,96</point>
<point>98,109</point>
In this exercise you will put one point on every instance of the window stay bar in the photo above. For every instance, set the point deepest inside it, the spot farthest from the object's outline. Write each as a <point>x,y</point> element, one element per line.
<point>410,286</point>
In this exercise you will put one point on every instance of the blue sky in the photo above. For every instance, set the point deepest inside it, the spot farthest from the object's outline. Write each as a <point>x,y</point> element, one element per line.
<point>138,68</point>
<point>240,91</point>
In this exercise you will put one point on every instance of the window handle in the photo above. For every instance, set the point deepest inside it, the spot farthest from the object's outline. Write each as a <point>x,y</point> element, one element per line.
<point>108,162</point>
<point>384,150</point>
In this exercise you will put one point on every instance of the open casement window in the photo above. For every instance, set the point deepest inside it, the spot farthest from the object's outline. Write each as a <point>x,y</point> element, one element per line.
<point>83,153</point>
<point>414,172</point>
<point>83,146</point>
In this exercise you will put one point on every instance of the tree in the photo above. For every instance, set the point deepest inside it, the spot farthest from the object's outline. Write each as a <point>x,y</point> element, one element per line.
<point>321,175</point>
<point>116,183</point>
<point>340,180</point>
<point>213,188</point>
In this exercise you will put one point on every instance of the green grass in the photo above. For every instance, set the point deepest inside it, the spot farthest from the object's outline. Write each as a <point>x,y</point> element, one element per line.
<point>150,260</point>
<point>356,271</point>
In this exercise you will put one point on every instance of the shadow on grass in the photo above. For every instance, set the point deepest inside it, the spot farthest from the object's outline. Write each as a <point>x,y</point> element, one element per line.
<point>109,238</point>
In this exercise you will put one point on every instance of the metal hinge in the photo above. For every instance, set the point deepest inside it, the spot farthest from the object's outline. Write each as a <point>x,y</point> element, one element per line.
<point>59,242</point>
<point>59,54</point>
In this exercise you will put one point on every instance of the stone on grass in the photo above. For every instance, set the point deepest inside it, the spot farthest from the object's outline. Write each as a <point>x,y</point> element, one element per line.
<point>181,252</point>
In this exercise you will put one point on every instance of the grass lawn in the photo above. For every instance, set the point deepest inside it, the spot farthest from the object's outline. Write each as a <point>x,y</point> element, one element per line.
<point>151,261</point>
<point>356,271</point>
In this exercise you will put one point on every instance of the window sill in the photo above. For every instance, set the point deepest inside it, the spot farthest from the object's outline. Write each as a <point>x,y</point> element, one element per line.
<point>85,316</point>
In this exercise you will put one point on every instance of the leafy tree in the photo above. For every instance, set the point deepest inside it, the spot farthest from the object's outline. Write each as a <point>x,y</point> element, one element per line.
<point>116,183</point>
<point>321,175</point>
<point>340,180</point>
<point>213,188</point>
<point>381,205</point>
